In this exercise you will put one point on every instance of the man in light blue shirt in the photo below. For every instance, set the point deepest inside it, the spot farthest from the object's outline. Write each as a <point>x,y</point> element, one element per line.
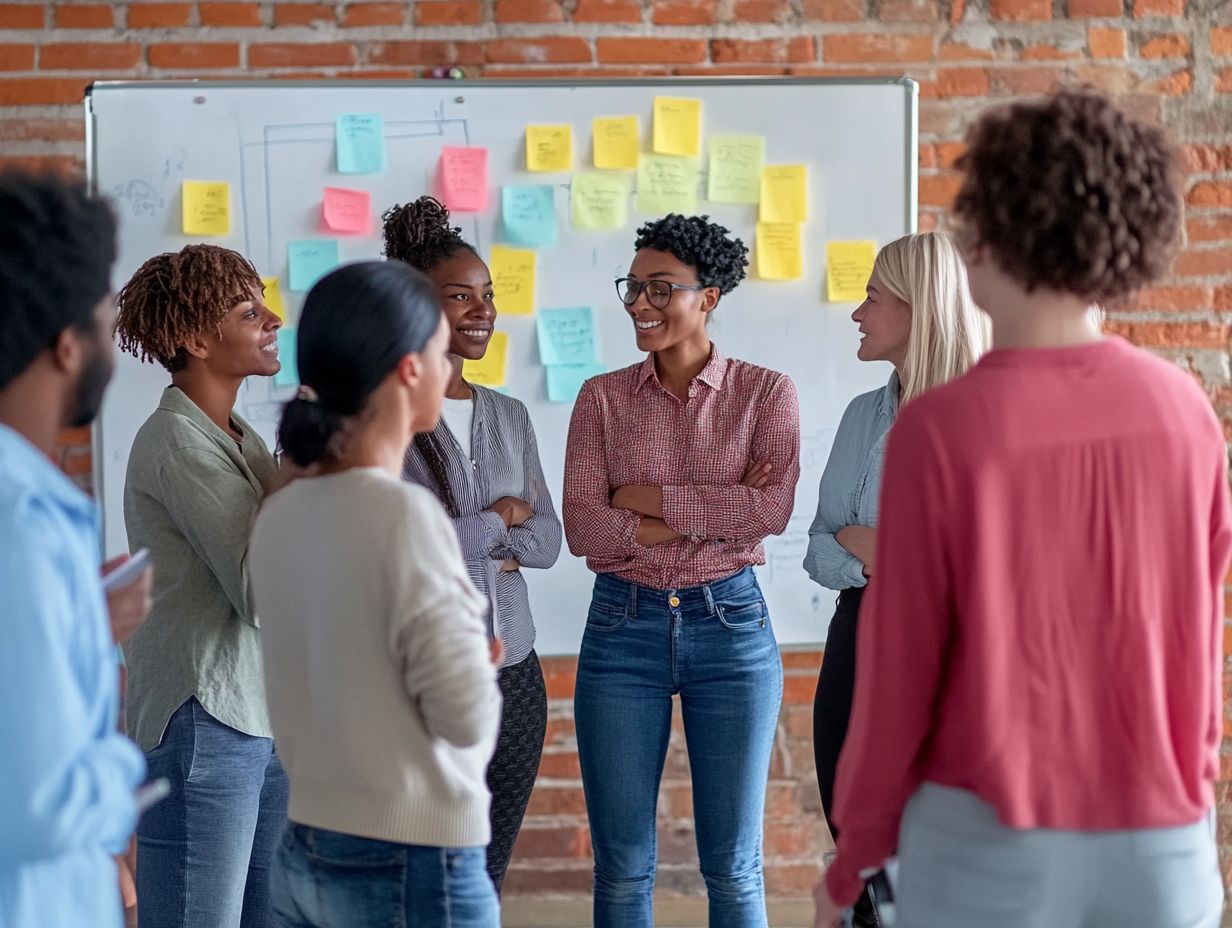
<point>67,777</point>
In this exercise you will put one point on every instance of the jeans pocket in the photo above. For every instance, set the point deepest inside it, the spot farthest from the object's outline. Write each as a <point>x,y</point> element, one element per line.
<point>743,615</point>
<point>338,850</point>
<point>604,617</point>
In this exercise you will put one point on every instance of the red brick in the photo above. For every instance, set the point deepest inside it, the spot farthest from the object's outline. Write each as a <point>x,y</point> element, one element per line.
<point>728,51</point>
<point>1221,40</point>
<point>1165,46</point>
<point>1171,334</point>
<point>563,766</point>
<point>230,14</point>
<point>560,674</point>
<point>801,660</point>
<point>1175,84</point>
<point>555,49</point>
<point>158,15</point>
<point>67,165</point>
<point>89,56</point>
<point>907,11</point>
<point>1210,228</point>
<point>1222,303</point>
<point>760,11</point>
<point>683,12</point>
<point>882,47</point>
<point>793,839</point>
<point>21,16</point>
<point>939,189</point>
<point>449,13</point>
<point>1205,262</point>
<point>948,153</point>
<point>1147,8</point>
<point>962,82</point>
<point>557,802</point>
<point>1210,193</point>
<point>1174,298</point>
<point>1020,11</point>
<point>194,55</point>
<point>835,11</point>
<point>529,11</point>
<point>1026,81</point>
<point>16,58</point>
<point>531,879</point>
<point>13,129</point>
<point>799,688</point>
<point>84,16</point>
<point>1223,81</point>
<point>78,462</point>
<point>41,91</point>
<point>639,50</point>
<point>1049,53</point>
<point>1207,159</point>
<point>957,51</point>
<point>69,437</point>
<point>509,72</point>
<point>792,879</point>
<point>1111,78</point>
<point>300,54</point>
<point>355,15</point>
<point>303,14</point>
<point>1095,9</point>
<point>1107,43</point>
<point>553,842</point>
<point>378,74</point>
<point>608,11</point>
<point>731,70</point>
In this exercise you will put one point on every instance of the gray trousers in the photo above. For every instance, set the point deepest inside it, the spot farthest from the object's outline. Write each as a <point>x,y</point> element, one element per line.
<point>961,868</point>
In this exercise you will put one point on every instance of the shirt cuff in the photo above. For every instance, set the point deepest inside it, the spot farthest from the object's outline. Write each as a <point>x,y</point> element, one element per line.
<point>684,513</point>
<point>853,571</point>
<point>843,884</point>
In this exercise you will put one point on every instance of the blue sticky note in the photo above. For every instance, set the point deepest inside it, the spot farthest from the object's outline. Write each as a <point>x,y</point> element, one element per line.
<point>565,380</point>
<point>360,139</point>
<point>288,375</point>
<point>566,336</point>
<point>529,214</point>
<point>310,261</point>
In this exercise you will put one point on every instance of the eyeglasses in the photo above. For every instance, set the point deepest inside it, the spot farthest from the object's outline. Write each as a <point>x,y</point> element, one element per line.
<point>658,292</point>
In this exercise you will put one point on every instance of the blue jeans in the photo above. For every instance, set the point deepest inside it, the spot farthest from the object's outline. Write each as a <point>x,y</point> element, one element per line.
<point>714,646</point>
<point>204,852</point>
<point>324,879</point>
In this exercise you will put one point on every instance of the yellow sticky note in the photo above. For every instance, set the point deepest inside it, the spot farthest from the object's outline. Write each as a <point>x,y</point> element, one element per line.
<point>666,184</point>
<point>549,148</point>
<point>513,280</point>
<point>599,201</point>
<point>489,371</point>
<point>616,142</point>
<point>778,251</point>
<point>784,193</point>
<point>849,265</point>
<point>677,126</point>
<point>207,207</point>
<point>273,297</point>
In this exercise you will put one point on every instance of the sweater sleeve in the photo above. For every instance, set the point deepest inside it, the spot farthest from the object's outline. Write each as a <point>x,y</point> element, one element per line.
<point>1220,547</point>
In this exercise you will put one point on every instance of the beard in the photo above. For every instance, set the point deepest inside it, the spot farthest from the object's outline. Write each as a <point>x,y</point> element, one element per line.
<point>91,385</point>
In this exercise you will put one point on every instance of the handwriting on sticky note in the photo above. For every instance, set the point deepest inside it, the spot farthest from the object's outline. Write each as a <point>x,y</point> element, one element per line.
<point>784,193</point>
<point>565,380</point>
<point>528,215</point>
<point>346,210</point>
<point>566,336</point>
<point>207,207</point>
<point>359,140</point>
<point>549,148</point>
<point>677,126</point>
<point>779,252</point>
<point>599,201</point>
<point>513,280</point>
<point>735,168</point>
<point>848,268</point>
<point>666,184</point>
<point>310,261</point>
<point>462,178</point>
<point>489,371</point>
<point>273,297</point>
<point>288,373</point>
<point>616,142</point>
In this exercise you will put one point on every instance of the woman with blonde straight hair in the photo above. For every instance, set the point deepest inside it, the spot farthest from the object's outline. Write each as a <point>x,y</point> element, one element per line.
<point>919,316</point>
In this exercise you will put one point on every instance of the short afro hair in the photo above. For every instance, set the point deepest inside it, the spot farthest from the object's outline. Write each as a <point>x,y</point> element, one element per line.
<point>1070,194</point>
<point>705,246</point>
<point>419,233</point>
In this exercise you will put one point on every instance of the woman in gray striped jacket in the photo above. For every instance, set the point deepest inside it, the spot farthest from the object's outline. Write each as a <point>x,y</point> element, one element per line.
<point>481,460</point>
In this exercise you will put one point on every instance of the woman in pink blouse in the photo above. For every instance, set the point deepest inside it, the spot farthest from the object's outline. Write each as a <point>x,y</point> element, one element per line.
<point>676,469</point>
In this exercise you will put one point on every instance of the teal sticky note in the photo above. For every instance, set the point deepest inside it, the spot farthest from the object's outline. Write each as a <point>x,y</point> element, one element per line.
<point>529,214</point>
<point>288,375</point>
<point>566,336</point>
<point>360,140</point>
<point>310,261</point>
<point>565,380</point>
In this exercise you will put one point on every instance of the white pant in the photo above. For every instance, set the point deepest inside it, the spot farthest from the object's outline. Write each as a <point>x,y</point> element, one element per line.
<point>961,868</point>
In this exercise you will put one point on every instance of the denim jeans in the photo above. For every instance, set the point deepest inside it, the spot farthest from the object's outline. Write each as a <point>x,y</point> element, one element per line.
<point>204,852</point>
<point>714,646</point>
<point>324,879</point>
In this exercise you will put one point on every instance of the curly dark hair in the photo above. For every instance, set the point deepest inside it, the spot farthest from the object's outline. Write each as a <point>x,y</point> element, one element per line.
<point>176,296</point>
<point>419,233</point>
<point>1070,194</point>
<point>703,245</point>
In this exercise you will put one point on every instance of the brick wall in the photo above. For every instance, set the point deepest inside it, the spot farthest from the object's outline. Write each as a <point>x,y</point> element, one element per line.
<point>1169,60</point>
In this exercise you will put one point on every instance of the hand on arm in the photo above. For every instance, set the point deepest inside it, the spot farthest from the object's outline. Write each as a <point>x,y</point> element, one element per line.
<point>513,511</point>
<point>651,531</point>
<point>646,500</point>
<point>861,541</point>
<point>127,606</point>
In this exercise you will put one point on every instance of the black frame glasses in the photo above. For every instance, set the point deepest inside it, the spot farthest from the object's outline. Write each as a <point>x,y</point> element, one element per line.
<point>630,288</point>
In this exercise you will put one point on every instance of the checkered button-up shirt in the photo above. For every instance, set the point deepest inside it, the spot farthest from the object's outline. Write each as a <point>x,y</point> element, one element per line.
<point>628,430</point>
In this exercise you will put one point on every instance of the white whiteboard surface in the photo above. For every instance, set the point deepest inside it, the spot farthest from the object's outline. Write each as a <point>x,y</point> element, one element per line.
<point>274,144</point>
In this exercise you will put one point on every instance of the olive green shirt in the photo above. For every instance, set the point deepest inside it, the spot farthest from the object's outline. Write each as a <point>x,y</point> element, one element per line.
<point>191,496</point>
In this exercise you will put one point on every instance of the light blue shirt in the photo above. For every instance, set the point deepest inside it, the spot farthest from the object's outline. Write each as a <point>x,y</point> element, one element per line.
<point>851,486</point>
<point>67,776</point>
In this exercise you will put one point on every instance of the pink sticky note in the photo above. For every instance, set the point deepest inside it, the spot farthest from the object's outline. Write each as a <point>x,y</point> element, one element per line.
<point>347,210</point>
<point>463,178</point>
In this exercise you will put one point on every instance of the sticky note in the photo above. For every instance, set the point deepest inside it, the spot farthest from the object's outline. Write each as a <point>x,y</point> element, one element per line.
<point>513,280</point>
<point>677,126</point>
<point>616,142</point>
<point>849,265</point>
<point>784,193</point>
<point>666,184</point>
<point>565,380</point>
<point>566,336</point>
<point>599,201</point>
<point>489,371</point>
<point>207,207</point>
<point>360,143</point>
<point>347,210</point>
<point>549,148</point>
<point>273,297</point>
<point>779,251</point>
<point>310,261</point>
<point>735,168</point>
<point>529,214</point>
<point>288,374</point>
<point>462,178</point>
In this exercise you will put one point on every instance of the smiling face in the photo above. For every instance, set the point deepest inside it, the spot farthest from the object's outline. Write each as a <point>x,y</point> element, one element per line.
<point>246,343</point>
<point>885,324</point>
<point>683,319</point>
<point>465,285</point>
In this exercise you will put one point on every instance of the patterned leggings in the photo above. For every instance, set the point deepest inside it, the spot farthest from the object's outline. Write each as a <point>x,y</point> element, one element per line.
<point>511,775</point>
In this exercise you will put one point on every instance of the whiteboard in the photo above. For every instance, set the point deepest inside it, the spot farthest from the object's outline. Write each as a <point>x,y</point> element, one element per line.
<point>274,143</point>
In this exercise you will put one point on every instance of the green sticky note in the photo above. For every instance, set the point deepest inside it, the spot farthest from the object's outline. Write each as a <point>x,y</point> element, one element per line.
<point>529,215</point>
<point>735,168</point>
<point>566,336</point>
<point>310,261</point>
<point>599,200</point>
<point>666,184</point>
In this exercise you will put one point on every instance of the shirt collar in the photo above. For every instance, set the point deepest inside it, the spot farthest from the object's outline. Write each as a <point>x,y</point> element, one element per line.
<point>889,398</point>
<point>22,463</point>
<point>712,374</point>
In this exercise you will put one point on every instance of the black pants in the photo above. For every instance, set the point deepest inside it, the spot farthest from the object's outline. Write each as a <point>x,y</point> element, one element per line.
<point>511,774</point>
<point>832,704</point>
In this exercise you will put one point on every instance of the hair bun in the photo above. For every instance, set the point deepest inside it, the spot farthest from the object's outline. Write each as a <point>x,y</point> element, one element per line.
<point>306,430</point>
